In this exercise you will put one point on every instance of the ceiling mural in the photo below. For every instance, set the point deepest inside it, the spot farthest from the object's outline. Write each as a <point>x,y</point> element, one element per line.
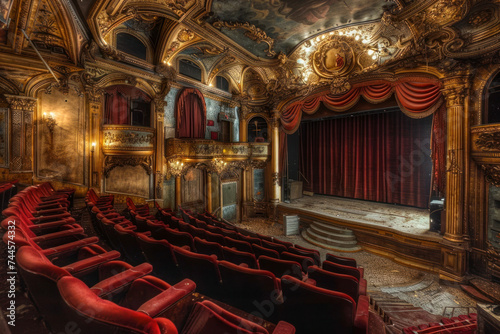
<point>288,22</point>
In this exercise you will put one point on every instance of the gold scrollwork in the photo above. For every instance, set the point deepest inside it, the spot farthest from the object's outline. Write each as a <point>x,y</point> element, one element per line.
<point>252,32</point>
<point>492,174</point>
<point>111,162</point>
<point>489,141</point>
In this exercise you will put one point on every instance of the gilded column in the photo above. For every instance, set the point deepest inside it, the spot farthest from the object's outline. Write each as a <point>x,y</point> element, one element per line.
<point>454,257</point>
<point>178,193</point>
<point>275,183</point>
<point>209,192</point>
<point>21,132</point>
<point>455,90</point>
<point>243,129</point>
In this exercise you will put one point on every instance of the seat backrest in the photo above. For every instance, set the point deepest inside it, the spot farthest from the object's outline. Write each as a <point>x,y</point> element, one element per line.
<point>284,243</point>
<point>280,267</point>
<point>95,315</point>
<point>247,288</point>
<point>214,237</point>
<point>346,261</point>
<point>201,268</point>
<point>159,254</point>
<point>251,240</point>
<point>131,247</point>
<point>203,246</point>
<point>259,251</point>
<point>333,281</point>
<point>305,261</point>
<point>229,233</point>
<point>208,318</point>
<point>314,255</point>
<point>316,310</point>
<point>237,257</point>
<point>178,238</point>
<point>242,246</point>
<point>341,269</point>
<point>272,245</point>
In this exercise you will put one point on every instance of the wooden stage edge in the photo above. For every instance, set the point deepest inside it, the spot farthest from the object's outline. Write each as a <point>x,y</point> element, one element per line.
<point>423,252</point>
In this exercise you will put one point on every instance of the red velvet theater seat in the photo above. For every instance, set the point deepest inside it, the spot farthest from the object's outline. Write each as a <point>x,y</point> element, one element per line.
<point>309,253</point>
<point>346,270</point>
<point>131,247</point>
<point>203,246</point>
<point>242,246</point>
<point>346,261</point>
<point>305,261</point>
<point>316,310</point>
<point>250,289</point>
<point>272,245</point>
<point>92,314</point>
<point>200,268</point>
<point>281,267</point>
<point>209,318</point>
<point>259,251</point>
<point>336,282</point>
<point>238,258</point>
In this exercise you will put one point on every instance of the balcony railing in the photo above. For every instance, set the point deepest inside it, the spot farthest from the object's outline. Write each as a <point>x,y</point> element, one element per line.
<point>126,138</point>
<point>203,149</point>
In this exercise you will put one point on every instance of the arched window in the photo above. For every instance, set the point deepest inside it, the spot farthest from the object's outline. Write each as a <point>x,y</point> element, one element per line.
<point>190,114</point>
<point>127,105</point>
<point>131,45</point>
<point>221,83</point>
<point>492,114</point>
<point>189,69</point>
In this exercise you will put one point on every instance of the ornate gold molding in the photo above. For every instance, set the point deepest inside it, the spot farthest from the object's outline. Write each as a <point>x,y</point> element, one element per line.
<point>488,141</point>
<point>128,138</point>
<point>252,32</point>
<point>492,174</point>
<point>22,103</point>
<point>111,162</point>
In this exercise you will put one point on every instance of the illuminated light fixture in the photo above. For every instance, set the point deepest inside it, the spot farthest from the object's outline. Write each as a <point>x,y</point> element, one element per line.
<point>370,52</point>
<point>300,61</point>
<point>218,165</point>
<point>374,57</point>
<point>175,168</point>
<point>210,84</point>
<point>92,149</point>
<point>49,120</point>
<point>357,37</point>
<point>365,41</point>
<point>341,33</point>
<point>169,64</point>
<point>317,39</point>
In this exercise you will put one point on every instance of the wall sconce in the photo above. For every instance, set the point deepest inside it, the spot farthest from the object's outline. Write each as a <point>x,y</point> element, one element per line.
<point>176,168</point>
<point>92,148</point>
<point>49,120</point>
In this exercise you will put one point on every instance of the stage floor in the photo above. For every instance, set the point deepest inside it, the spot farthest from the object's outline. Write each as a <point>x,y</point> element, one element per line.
<point>400,218</point>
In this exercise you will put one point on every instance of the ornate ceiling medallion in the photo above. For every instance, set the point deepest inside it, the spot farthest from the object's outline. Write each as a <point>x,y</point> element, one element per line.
<point>334,57</point>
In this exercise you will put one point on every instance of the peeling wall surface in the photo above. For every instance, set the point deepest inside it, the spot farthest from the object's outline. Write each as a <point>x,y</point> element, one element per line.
<point>129,180</point>
<point>169,117</point>
<point>60,151</point>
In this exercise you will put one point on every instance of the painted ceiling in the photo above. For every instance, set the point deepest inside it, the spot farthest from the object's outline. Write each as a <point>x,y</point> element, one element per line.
<point>289,22</point>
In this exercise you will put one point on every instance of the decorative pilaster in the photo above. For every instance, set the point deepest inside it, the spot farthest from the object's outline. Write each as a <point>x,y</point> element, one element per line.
<point>275,183</point>
<point>178,192</point>
<point>21,134</point>
<point>243,130</point>
<point>208,195</point>
<point>455,91</point>
<point>95,101</point>
<point>159,156</point>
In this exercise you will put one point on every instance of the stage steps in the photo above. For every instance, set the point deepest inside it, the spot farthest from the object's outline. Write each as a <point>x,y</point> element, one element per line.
<point>331,237</point>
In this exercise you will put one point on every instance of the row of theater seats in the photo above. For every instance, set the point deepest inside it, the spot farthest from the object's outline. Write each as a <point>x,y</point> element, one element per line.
<point>78,286</point>
<point>273,286</point>
<point>463,324</point>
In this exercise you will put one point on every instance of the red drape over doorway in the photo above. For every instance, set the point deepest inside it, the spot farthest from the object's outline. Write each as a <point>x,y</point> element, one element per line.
<point>190,114</point>
<point>117,104</point>
<point>381,157</point>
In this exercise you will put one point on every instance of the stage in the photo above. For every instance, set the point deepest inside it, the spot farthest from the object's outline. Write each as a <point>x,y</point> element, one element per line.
<point>394,231</point>
<point>400,218</point>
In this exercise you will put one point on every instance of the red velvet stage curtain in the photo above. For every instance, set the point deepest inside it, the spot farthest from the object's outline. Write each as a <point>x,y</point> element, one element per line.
<point>283,153</point>
<point>439,151</point>
<point>416,99</point>
<point>379,157</point>
<point>117,104</point>
<point>191,114</point>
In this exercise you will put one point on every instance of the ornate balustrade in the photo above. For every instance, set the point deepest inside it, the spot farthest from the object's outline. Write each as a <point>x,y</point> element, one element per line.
<point>198,150</point>
<point>125,138</point>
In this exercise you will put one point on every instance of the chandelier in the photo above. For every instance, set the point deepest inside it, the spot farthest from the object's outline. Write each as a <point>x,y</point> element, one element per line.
<point>176,168</point>
<point>218,165</point>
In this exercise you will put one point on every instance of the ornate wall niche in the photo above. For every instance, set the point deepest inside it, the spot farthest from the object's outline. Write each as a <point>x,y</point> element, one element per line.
<point>128,175</point>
